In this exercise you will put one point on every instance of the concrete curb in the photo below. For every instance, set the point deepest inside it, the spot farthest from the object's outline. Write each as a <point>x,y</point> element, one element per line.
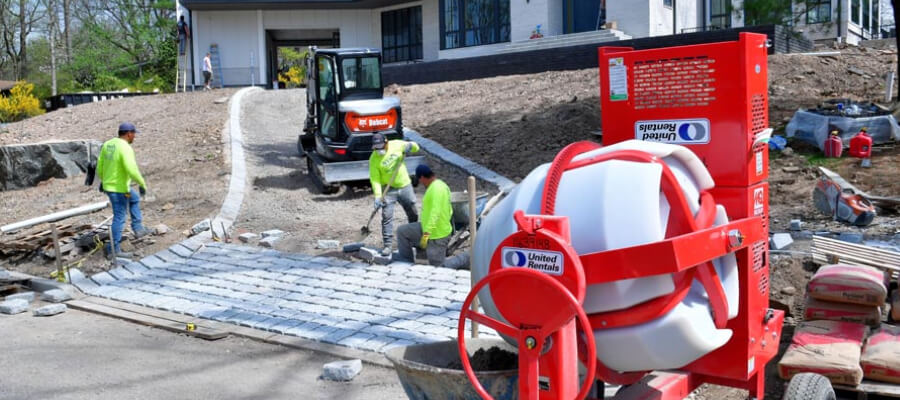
<point>231,206</point>
<point>470,167</point>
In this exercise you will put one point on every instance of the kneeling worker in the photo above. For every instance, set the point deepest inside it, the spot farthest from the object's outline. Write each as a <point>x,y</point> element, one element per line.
<point>432,232</point>
<point>388,160</point>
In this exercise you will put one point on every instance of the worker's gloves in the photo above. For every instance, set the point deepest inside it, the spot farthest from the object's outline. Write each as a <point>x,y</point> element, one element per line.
<point>423,243</point>
<point>407,149</point>
<point>142,191</point>
<point>379,202</point>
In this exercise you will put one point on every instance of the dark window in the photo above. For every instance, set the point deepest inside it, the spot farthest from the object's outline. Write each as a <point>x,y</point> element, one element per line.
<point>473,22</point>
<point>854,11</point>
<point>876,16</point>
<point>401,34</point>
<point>667,3</point>
<point>819,11</point>
<point>865,16</point>
<point>720,13</point>
<point>361,73</point>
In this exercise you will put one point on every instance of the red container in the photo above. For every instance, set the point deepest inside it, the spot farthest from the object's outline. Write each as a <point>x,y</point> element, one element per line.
<point>834,146</point>
<point>711,98</point>
<point>861,145</point>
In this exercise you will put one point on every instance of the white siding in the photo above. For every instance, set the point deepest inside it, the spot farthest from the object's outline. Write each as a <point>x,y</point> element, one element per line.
<point>631,17</point>
<point>355,26</point>
<point>525,16</point>
<point>236,34</point>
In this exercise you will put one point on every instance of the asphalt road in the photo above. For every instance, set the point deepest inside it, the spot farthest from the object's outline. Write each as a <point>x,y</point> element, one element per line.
<point>78,355</point>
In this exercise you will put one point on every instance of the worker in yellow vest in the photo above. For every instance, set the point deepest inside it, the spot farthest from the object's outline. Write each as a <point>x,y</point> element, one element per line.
<point>388,160</point>
<point>432,232</point>
<point>117,168</point>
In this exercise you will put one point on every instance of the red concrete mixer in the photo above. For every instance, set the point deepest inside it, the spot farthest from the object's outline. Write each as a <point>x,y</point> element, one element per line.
<point>711,99</point>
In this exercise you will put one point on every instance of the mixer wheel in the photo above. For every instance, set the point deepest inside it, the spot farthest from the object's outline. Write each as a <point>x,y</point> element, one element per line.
<point>807,386</point>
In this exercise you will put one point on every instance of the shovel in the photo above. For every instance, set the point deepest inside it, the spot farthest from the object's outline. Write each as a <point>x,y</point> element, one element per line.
<point>365,231</point>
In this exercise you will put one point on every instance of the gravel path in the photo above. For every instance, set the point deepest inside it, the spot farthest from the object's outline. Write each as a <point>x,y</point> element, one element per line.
<point>280,195</point>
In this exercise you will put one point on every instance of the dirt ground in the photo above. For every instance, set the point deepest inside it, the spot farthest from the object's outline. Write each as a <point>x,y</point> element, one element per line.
<point>179,151</point>
<point>281,195</point>
<point>79,355</point>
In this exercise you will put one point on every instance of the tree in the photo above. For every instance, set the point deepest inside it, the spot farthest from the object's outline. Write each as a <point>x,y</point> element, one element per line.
<point>767,12</point>
<point>17,21</point>
<point>896,5</point>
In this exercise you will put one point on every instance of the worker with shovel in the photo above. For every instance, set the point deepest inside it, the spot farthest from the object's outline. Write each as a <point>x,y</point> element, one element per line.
<point>117,168</point>
<point>391,183</point>
<point>432,232</point>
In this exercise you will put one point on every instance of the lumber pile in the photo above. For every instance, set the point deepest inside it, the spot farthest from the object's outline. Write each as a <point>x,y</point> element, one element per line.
<point>41,242</point>
<point>832,251</point>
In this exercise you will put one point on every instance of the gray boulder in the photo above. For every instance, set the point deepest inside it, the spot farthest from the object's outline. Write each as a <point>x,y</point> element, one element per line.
<point>26,165</point>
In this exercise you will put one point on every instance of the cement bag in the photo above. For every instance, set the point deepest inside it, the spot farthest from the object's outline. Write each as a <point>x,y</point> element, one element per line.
<point>618,204</point>
<point>855,284</point>
<point>815,128</point>
<point>828,348</point>
<point>881,356</point>
<point>827,310</point>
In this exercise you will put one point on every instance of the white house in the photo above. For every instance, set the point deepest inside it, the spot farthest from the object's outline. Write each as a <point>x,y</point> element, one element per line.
<point>248,32</point>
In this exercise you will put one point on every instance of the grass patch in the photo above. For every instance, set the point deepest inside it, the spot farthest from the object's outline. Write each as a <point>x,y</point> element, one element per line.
<point>819,160</point>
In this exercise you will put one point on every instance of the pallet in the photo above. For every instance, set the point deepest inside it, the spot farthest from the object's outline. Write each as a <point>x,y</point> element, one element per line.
<point>831,251</point>
<point>868,389</point>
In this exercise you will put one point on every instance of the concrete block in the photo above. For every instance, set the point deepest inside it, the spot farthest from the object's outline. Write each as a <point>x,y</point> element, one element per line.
<point>851,237</point>
<point>781,241</point>
<point>327,244</point>
<point>342,371</point>
<point>367,254</point>
<point>121,273</point>
<point>50,309</point>
<point>337,335</point>
<point>56,296</point>
<point>796,225</point>
<point>201,226</point>
<point>4,274</point>
<point>181,250</point>
<point>27,296</point>
<point>272,233</point>
<point>103,278</point>
<point>247,237</point>
<point>356,340</point>
<point>269,241</point>
<point>161,229</point>
<point>13,306</point>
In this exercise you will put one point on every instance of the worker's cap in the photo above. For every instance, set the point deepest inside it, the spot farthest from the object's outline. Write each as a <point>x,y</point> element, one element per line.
<point>127,127</point>
<point>378,141</point>
<point>864,129</point>
<point>423,170</point>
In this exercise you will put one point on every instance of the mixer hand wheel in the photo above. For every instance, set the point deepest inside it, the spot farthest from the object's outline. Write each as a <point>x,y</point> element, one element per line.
<point>530,339</point>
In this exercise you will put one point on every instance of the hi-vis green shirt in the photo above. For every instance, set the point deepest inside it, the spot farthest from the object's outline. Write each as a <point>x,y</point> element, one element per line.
<point>116,167</point>
<point>381,167</point>
<point>436,210</point>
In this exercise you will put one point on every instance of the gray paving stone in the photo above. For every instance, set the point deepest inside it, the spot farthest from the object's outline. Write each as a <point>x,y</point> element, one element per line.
<point>136,268</point>
<point>281,325</point>
<point>12,307</point>
<point>168,256</point>
<point>121,273</point>
<point>406,324</point>
<point>180,250</point>
<point>50,309</point>
<point>337,335</point>
<point>56,296</point>
<point>356,340</point>
<point>103,278</point>
<point>27,296</point>
<point>395,344</point>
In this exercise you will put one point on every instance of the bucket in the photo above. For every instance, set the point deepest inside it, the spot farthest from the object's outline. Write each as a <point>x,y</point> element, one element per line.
<point>424,375</point>
<point>459,203</point>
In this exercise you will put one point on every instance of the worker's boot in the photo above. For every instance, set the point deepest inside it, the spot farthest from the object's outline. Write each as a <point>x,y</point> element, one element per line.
<point>386,251</point>
<point>141,233</point>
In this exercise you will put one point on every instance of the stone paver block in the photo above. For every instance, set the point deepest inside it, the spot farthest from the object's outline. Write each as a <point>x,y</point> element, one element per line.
<point>27,296</point>
<point>121,273</point>
<point>395,344</point>
<point>272,233</point>
<point>269,241</point>
<point>180,250</point>
<point>342,370</point>
<point>50,309</point>
<point>103,278</point>
<point>327,244</point>
<point>153,262</point>
<point>337,335</point>
<point>13,306</point>
<point>168,256</point>
<point>356,340</point>
<point>56,296</point>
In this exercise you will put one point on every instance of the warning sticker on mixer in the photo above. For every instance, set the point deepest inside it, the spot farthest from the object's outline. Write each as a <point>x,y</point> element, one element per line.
<point>548,262</point>
<point>618,79</point>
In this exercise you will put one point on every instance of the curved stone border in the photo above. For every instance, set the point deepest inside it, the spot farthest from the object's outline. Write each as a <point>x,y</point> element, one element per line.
<point>470,167</point>
<point>235,196</point>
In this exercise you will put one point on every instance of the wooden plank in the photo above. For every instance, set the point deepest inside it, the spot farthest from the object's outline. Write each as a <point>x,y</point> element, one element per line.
<point>841,243</point>
<point>200,331</point>
<point>879,262</point>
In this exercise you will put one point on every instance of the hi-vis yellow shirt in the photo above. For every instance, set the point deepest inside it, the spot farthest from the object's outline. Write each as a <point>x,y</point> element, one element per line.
<point>381,167</point>
<point>436,210</point>
<point>116,167</point>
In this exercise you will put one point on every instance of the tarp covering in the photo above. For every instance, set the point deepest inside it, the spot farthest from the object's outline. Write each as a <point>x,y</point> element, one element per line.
<point>814,128</point>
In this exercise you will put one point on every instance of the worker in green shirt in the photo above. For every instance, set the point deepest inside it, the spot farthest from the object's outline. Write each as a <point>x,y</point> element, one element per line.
<point>117,168</point>
<point>388,160</point>
<point>432,232</point>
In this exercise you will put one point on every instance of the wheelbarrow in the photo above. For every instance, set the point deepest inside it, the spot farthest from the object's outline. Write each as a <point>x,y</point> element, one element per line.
<point>424,374</point>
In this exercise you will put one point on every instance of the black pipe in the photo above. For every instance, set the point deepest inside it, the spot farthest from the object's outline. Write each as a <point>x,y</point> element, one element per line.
<point>674,17</point>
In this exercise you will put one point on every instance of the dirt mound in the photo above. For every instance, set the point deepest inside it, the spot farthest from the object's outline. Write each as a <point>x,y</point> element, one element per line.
<point>178,149</point>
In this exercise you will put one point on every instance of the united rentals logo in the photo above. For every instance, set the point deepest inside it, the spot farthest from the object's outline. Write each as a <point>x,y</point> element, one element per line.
<point>548,262</point>
<point>680,131</point>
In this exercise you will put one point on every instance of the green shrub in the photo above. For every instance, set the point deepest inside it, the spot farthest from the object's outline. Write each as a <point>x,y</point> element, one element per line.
<point>20,104</point>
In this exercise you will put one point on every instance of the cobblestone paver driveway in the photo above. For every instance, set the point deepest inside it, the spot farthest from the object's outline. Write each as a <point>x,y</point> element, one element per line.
<point>368,307</point>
